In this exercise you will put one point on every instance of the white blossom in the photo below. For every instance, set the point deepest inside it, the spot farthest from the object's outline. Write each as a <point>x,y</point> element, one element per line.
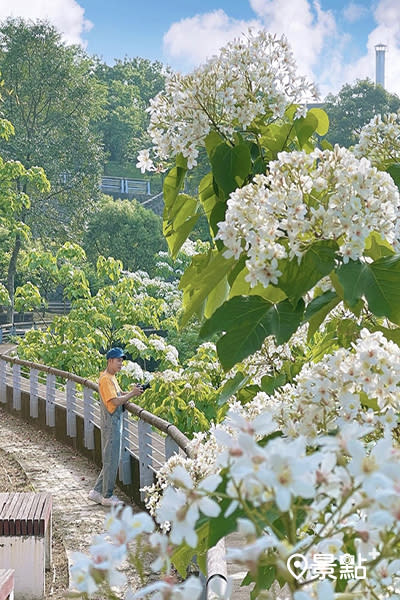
<point>144,162</point>
<point>380,140</point>
<point>278,215</point>
<point>250,77</point>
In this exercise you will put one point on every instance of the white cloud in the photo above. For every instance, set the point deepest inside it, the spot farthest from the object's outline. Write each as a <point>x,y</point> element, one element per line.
<point>66,15</point>
<point>354,12</point>
<point>321,50</point>
<point>308,28</point>
<point>190,41</point>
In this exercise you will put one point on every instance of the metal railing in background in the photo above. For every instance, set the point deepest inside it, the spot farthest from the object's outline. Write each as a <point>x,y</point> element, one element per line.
<point>123,185</point>
<point>9,330</point>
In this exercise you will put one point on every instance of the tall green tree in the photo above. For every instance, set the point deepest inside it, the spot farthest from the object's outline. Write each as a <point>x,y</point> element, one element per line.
<point>126,231</point>
<point>15,181</point>
<point>52,98</point>
<point>130,84</point>
<point>353,107</point>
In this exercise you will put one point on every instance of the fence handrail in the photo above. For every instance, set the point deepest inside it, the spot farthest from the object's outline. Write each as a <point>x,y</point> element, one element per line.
<point>18,324</point>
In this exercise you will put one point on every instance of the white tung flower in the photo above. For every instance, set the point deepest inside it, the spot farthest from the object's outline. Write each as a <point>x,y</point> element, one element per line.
<point>81,578</point>
<point>144,162</point>
<point>380,140</point>
<point>279,214</point>
<point>251,76</point>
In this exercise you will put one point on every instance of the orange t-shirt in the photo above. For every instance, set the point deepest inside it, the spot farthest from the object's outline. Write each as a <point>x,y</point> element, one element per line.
<point>108,388</point>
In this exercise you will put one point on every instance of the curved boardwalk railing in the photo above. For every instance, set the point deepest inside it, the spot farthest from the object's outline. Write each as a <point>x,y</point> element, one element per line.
<point>70,404</point>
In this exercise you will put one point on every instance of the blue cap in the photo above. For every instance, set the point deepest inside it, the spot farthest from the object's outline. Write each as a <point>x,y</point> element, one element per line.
<point>115,353</point>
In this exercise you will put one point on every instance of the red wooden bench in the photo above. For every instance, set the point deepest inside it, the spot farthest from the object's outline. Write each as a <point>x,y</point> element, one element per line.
<point>6,584</point>
<point>25,540</point>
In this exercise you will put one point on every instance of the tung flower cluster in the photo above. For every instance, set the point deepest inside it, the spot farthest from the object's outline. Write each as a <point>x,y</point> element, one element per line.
<point>324,195</point>
<point>250,77</point>
<point>380,140</point>
<point>334,393</point>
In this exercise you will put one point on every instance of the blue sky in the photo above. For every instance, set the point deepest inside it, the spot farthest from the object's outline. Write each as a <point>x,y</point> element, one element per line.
<point>332,40</point>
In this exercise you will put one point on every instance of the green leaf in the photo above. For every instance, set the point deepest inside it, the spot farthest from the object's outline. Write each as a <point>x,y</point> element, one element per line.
<point>214,208</point>
<point>318,303</point>
<point>322,118</point>
<point>318,309</point>
<point>183,555</point>
<point>179,220</point>
<point>220,528</point>
<point>216,297</point>
<point>394,172</point>
<point>204,273</point>
<point>259,165</point>
<point>316,262</point>
<point>173,183</point>
<point>325,145</point>
<point>368,402</point>
<point>240,264</point>
<point>247,321</point>
<point>376,247</point>
<point>181,558</point>
<point>276,138</point>
<point>378,282</point>
<point>212,140</point>
<point>217,215</point>
<point>347,332</point>
<point>270,383</point>
<point>231,165</point>
<point>231,387</point>
<point>326,345</point>
<point>181,161</point>
<point>390,334</point>
<point>241,287</point>
<point>266,575</point>
<point>247,393</point>
<point>305,127</point>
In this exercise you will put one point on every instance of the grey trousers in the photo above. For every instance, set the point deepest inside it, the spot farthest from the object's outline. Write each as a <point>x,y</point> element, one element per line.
<point>111,428</point>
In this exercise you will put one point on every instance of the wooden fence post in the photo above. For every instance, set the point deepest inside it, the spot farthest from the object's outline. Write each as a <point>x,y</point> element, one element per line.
<point>16,386</point>
<point>125,473</point>
<point>145,455</point>
<point>3,381</point>
<point>171,447</point>
<point>33,389</point>
<point>71,407</point>
<point>88,416</point>
<point>50,397</point>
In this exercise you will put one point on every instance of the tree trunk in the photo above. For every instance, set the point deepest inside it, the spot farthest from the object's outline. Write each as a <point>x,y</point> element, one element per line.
<point>12,269</point>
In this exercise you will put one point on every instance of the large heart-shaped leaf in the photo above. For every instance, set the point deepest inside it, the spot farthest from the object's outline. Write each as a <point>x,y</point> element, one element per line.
<point>201,279</point>
<point>231,165</point>
<point>378,282</point>
<point>247,321</point>
<point>316,262</point>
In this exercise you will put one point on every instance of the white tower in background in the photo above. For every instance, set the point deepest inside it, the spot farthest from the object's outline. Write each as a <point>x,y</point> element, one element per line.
<point>380,50</point>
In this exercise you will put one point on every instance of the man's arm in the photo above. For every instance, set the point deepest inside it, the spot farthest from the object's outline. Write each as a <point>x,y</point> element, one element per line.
<point>124,398</point>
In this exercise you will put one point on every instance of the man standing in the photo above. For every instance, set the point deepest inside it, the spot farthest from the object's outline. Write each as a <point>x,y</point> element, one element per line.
<point>113,401</point>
